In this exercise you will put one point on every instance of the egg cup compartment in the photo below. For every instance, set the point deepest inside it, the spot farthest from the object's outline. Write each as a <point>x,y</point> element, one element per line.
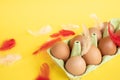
<point>90,68</point>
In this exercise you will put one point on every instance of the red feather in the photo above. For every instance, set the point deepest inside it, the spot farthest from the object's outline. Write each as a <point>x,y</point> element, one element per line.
<point>8,44</point>
<point>47,45</point>
<point>44,72</point>
<point>63,33</point>
<point>55,35</point>
<point>115,38</point>
<point>66,32</point>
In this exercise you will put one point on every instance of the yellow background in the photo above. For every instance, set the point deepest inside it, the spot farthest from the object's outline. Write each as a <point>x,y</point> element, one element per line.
<point>17,16</point>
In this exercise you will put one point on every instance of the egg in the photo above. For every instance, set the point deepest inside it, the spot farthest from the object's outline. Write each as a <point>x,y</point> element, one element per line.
<point>75,65</point>
<point>106,46</point>
<point>60,50</point>
<point>77,37</point>
<point>96,31</point>
<point>93,56</point>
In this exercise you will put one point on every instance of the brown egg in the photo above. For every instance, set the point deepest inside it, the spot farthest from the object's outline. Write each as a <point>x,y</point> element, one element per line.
<point>78,37</point>
<point>93,56</point>
<point>97,31</point>
<point>76,65</point>
<point>106,46</point>
<point>60,50</point>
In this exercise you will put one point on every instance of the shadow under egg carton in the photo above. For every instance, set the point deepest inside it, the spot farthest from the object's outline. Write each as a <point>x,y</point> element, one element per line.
<point>90,68</point>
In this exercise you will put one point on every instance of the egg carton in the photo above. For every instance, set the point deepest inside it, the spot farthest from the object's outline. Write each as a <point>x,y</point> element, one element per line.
<point>90,68</point>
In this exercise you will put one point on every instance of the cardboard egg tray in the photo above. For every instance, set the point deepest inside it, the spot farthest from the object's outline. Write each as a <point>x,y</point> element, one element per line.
<point>90,68</point>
